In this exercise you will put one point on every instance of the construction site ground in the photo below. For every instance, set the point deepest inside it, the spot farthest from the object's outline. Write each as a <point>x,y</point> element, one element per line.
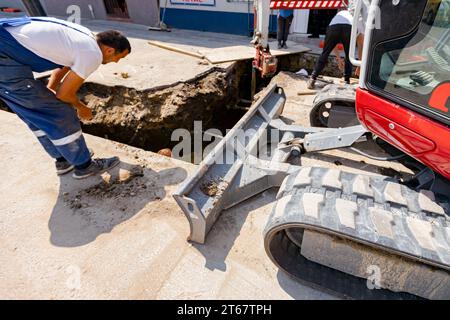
<point>123,236</point>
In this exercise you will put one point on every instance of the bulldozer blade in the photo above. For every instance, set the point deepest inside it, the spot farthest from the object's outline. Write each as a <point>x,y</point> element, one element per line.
<point>232,172</point>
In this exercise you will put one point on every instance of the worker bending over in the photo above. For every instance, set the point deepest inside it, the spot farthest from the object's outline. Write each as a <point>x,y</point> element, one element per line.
<point>339,31</point>
<point>73,53</point>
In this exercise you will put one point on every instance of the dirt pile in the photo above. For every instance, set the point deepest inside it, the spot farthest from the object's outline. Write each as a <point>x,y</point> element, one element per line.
<point>127,184</point>
<point>213,187</point>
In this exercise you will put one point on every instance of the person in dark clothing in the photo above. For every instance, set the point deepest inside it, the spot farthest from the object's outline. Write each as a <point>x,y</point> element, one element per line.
<point>53,112</point>
<point>285,18</point>
<point>338,31</point>
<point>314,22</point>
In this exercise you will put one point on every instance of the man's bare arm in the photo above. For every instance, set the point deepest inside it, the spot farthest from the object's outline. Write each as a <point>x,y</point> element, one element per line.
<point>359,44</point>
<point>67,92</point>
<point>56,78</point>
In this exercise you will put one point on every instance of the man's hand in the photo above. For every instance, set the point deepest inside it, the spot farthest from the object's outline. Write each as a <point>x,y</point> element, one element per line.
<point>360,45</point>
<point>84,112</point>
<point>341,64</point>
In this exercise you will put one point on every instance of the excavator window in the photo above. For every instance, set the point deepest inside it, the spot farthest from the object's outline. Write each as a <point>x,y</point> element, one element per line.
<point>414,66</point>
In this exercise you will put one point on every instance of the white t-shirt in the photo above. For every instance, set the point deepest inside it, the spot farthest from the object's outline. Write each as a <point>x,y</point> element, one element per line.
<point>342,17</point>
<point>61,44</point>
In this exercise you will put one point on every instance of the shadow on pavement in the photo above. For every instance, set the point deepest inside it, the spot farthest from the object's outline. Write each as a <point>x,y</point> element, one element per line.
<point>85,209</point>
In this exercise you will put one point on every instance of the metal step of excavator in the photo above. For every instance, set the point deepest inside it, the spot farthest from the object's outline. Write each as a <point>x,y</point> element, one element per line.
<point>337,229</point>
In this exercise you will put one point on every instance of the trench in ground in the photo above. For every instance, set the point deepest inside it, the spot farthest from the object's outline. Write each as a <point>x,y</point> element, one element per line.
<point>146,119</point>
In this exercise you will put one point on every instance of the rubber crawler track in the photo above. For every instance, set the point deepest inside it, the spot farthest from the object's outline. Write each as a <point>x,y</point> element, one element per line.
<point>373,211</point>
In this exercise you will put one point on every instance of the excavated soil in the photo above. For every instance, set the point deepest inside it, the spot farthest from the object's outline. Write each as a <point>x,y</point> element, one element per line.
<point>146,119</point>
<point>213,187</point>
<point>307,61</point>
<point>127,184</point>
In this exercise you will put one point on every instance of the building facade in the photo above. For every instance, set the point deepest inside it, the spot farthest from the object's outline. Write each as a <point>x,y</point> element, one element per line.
<point>223,16</point>
<point>234,16</point>
<point>144,12</point>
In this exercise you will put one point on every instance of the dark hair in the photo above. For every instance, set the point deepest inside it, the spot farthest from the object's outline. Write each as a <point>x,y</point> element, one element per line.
<point>114,39</point>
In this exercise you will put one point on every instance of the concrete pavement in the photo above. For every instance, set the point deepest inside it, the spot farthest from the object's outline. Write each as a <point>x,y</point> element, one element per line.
<point>122,236</point>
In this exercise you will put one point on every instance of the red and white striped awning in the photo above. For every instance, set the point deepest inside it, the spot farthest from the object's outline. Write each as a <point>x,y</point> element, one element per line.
<point>308,4</point>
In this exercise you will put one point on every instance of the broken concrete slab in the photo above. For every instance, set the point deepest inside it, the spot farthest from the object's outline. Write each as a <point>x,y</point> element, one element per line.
<point>247,52</point>
<point>148,67</point>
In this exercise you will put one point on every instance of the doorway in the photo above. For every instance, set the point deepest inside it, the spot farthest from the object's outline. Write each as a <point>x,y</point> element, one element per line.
<point>319,21</point>
<point>117,9</point>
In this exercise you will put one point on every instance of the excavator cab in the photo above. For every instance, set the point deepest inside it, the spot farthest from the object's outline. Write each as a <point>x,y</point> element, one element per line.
<point>405,83</point>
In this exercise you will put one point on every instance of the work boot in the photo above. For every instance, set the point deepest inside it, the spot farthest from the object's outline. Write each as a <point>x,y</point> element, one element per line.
<point>97,166</point>
<point>63,166</point>
<point>311,83</point>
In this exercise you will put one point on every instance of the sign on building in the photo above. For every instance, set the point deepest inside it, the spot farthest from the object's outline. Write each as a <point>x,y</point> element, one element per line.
<point>195,2</point>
